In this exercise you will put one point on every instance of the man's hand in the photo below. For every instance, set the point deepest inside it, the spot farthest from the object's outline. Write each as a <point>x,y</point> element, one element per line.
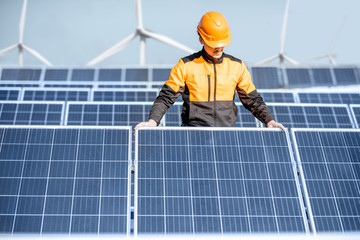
<point>273,124</point>
<point>150,123</point>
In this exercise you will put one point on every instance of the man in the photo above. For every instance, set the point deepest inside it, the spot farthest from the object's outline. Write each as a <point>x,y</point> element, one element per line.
<point>207,81</point>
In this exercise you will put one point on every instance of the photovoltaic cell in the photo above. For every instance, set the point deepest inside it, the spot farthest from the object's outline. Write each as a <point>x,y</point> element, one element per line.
<point>136,74</point>
<point>355,110</point>
<point>322,76</point>
<point>336,98</point>
<point>160,74</point>
<point>266,77</point>
<point>20,74</point>
<point>345,76</point>
<point>31,113</point>
<point>330,168</point>
<point>55,95</point>
<point>64,180</point>
<point>117,95</point>
<point>56,74</point>
<point>83,75</point>
<point>208,180</point>
<point>9,94</point>
<point>312,115</point>
<point>107,114</point>
<point>110,75</point>
<point>279,97</point>
<point>298,77</point>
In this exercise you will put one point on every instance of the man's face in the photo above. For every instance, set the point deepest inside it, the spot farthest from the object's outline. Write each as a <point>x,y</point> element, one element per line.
<point>214,52</point>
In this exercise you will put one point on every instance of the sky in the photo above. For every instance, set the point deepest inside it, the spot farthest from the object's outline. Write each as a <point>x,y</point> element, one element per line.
<point>73,32</point>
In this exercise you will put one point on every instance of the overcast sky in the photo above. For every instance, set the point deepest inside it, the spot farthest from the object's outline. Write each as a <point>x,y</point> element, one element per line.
<point>73,32</point>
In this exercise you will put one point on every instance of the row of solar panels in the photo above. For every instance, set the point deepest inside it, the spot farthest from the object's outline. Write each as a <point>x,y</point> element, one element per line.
<point>263,77</point>
<point>119,95</point>
<point>65,180</point>
<point>131,113</point>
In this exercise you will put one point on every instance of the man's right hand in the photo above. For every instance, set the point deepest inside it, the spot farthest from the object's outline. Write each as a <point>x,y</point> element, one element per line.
<point>150,123</point>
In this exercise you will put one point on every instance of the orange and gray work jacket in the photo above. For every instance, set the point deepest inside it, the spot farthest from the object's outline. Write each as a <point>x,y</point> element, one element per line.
<point>207,86</point>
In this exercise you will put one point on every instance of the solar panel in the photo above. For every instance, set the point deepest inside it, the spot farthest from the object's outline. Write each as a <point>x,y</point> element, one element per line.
<point>329,97</point>
<point>330,171</point>
<point>345,75</point>
<point>244,117</point>
<point>111,75</point>
<point>298,77</point>
<point>9,94</point>
<point>266,77</point>
<point>56,74</point>
<point>281,96</point>
<point>160,74</point>
<point>322,76</point>
<point>136,74</point>
<point>107,113</point>
<point>355,110</point>
<point>83,75</point>
<point>35,94</point>
<point>64,180</point>
<point>116,95</point>
<point>215,180</point>
<point>312,115</point>
<point>20,74</point>
<point>31,113</point>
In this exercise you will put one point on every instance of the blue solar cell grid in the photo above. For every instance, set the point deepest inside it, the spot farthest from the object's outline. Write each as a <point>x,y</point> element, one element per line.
<point>106,113</point>
<point>329,163</point>
<point>345,76</point>
<point>31,113</point>
<point>111,75</point>
<point>10,94</point>
<point>298,77</point>
<point>160,74</point>
<point>312,115</point>
<point>64,180</point>
<point>56,74</point>
<point>83,75</point>
<point>125,95</point>
<point>282,96</point>
<point>20,74</point>
<point>329,97</point>
<point>136,74</point>
<point>266,77</point>
<point>355,110</point>
<point>322,76</point>
<point>223,181</point>
<point>48,94</point>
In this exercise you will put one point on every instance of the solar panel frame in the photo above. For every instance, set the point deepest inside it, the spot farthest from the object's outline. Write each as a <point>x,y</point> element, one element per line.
<point>209,129</point>
<point>30,119</point>
<point>73,195</point>
<point>9,91</point>
<point>303,179</point>
<point>304,117</point>
<point>355,111</point>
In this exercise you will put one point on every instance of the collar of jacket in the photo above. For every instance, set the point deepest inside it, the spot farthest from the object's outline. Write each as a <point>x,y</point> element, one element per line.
<point>210,59</point>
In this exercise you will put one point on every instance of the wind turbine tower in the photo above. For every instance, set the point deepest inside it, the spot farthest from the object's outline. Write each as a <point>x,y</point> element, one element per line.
<point>143,34</point>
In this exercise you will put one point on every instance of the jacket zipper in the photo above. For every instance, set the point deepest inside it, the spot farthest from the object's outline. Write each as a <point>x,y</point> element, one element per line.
<point>215,79</point>
<point>209,84</point>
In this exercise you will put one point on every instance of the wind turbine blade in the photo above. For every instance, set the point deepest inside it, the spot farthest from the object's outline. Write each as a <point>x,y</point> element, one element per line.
<point>266,60</point>
<point>314,58</point>
<point>37,55</point>
<point>22,22</point>
<point>8,49</point>
<point>283,30</point>
<point>167,40</point>
<point>337,36</point>
<point>114,49</point>
<point>292,61</point>
<point>139,13</point>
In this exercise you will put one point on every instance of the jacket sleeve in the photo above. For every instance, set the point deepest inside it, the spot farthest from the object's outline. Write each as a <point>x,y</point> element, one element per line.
<point>250,98</point>
<point>172,89</point>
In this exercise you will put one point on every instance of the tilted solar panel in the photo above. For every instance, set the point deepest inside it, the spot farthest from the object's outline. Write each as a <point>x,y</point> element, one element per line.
<point>64,180</point>
<point>281,96</point>
<point>31,113</point>
<point>345,76</point>
<point>329,97</point>
<point>59,94</point>
<point>355,110</point>
<point>322,76</point>
<point>11,94</point>
<point>298,77</point>
<point>267,77</point>
<point>312,115</point>
<point>124,95</point>
<point>215,180</point>
<point>329,163</point>
<point>20,74</point>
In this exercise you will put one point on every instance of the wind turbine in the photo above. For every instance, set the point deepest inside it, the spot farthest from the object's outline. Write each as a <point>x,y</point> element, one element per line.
<point>20,45</point>
<point>143,34</point>
<point>329,54</point>
<point>281,55</point>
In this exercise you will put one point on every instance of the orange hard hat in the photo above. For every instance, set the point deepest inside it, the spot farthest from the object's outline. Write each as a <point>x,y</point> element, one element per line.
<point>214,30</point>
